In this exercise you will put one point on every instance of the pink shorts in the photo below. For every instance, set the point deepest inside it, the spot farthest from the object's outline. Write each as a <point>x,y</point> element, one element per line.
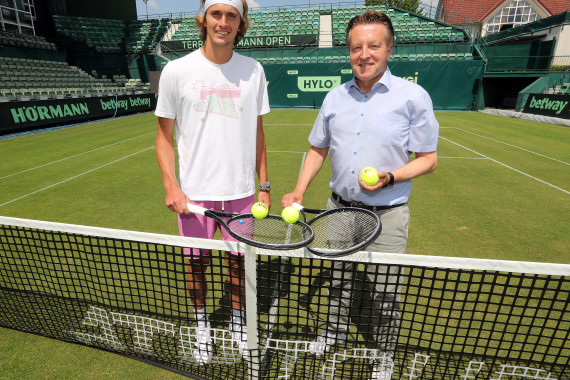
<point>199,226</point>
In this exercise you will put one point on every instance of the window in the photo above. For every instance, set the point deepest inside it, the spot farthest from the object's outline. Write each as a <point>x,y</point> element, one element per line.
<point>17,16</point>
<point>514,13</point>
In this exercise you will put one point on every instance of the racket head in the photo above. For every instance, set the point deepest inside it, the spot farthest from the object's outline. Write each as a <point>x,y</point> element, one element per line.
<point>342,231</point>
<point>271,232</point>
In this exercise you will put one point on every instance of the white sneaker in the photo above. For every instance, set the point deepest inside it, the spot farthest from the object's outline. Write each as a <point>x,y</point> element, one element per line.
<point>325,341</point>
<point>203,348</point>
<point>380,372</point>
<point>238,332</point>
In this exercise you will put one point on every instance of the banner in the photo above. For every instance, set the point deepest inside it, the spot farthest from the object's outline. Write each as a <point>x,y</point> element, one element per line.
<point>548,105</point>
<point>450,84</point>
<point>19,116</point>
<point>249,42</point>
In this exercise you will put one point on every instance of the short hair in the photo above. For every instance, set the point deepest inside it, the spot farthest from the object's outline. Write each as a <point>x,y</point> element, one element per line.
<point>371,17</point>
<point>243,26</point>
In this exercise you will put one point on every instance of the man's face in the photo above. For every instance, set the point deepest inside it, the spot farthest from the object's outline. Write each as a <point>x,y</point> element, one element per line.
<point>369,52</point>
<point>222,24</point>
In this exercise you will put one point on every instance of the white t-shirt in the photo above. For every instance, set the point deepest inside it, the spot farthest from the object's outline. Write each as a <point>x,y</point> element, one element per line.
<point>215,108</point>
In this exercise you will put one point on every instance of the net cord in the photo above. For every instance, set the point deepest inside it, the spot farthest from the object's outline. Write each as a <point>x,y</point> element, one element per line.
<point>361,256</point>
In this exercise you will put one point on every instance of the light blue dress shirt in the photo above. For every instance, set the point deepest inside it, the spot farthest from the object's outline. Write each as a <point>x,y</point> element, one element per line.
<point>379,129</point>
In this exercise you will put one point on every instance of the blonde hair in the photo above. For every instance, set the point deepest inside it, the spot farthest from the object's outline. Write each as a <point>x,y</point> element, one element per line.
<point>243,25</point>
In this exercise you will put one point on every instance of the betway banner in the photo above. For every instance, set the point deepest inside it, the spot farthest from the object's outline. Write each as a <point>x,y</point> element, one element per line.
<point>19,116</point>
<point>548,105</point>
<point>249,42</point>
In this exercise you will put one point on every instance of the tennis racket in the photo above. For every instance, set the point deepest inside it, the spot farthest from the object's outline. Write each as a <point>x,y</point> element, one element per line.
<point>341,231</point>
<point>272,232</point>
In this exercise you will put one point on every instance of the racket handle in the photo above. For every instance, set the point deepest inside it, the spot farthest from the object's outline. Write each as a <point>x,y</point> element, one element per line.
<point>195,209</point>
<point>297,206</point>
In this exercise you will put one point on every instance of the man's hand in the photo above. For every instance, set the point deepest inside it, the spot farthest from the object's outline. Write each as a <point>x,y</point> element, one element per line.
<point>289,199</point>
<point>264,197</point>
<point>384,179</point>
<point>177,201</point>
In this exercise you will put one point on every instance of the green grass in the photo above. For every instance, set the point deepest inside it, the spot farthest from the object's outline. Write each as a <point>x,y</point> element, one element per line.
<point>501,191</point>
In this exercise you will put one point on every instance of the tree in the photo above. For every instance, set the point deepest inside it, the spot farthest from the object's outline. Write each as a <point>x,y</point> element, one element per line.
<point>407,5</point>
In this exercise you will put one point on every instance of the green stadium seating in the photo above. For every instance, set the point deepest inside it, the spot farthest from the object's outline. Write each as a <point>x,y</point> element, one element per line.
<point>143,35</point>
<point>26,41</point>
<point>102,35</point>
<point>30,79</point>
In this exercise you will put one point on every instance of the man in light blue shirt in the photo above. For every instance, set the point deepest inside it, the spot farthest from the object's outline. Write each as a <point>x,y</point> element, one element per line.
<point>375,120</point>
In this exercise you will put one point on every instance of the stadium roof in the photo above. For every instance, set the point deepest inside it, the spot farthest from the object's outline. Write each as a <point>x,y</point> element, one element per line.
<point>478,11</point>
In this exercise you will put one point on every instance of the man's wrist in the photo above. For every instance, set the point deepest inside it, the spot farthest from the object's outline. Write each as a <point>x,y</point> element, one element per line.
<point>265,186</point>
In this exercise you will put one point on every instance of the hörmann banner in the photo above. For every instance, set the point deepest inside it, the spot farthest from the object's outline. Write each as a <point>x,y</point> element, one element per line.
<point>20,116</point>
<point>548,105</point>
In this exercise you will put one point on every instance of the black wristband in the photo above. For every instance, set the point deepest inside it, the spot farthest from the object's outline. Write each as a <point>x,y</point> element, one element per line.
<point>391,181</point>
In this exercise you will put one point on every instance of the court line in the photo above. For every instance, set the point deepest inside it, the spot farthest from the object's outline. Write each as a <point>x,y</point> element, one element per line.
<point>74,177</point>
<point>300,125</point>
<point>302,164</point>
<point>461,158</point>
<point>285,151</point>
<point>507,166</point>
<point>511,145</point>
<point>76,155</point>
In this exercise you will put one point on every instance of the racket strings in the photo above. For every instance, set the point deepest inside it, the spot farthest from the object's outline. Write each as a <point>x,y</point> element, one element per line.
<point>343,230</point>
<point>270,230</point>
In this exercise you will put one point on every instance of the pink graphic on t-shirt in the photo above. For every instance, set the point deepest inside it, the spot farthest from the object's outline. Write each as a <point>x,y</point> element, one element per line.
<point>218,101</point>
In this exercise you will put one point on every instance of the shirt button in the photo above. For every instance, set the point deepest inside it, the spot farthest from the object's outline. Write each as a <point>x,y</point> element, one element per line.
<point>361,114</point>
<point>358,134</point>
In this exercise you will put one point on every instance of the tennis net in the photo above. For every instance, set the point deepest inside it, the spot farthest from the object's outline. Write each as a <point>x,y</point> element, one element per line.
<point>436,318</point>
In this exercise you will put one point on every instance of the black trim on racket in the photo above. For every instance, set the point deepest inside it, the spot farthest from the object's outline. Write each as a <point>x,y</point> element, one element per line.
<point>341,231</point>
<point>271,232</point>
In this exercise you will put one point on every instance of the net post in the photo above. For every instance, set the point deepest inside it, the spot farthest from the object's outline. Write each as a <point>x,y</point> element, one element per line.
<point>251,309</point>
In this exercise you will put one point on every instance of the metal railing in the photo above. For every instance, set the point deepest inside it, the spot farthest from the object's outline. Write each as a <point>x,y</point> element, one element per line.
<point>533,63</point>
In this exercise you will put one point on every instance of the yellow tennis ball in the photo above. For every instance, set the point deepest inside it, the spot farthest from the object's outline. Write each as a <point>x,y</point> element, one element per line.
<point>259,210</point>
<point>369,176</point>
<point>290,214</point>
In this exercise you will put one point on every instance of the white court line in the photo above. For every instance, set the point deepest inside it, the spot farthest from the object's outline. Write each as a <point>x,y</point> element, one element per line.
<point>302,164</point>
<point>511,145</point>
<point>300,125</point>
<point>462,158</point>
<point>285,151</point>
<point>77,155</point>
<point>507,166</point>
<point>74,177</point>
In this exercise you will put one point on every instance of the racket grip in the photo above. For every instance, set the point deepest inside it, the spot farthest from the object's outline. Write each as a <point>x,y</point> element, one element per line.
<point>297,206</point>
<point>195,209</point>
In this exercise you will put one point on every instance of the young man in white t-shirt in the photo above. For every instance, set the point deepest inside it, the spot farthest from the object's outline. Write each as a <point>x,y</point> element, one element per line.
<point>213,99</point>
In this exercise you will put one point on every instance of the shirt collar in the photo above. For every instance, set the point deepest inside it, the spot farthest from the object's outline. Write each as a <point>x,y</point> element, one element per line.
<point>385,80</point>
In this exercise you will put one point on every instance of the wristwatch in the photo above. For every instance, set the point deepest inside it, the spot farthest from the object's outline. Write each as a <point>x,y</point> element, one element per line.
<point>265,186</point>
<point>391,181</point>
